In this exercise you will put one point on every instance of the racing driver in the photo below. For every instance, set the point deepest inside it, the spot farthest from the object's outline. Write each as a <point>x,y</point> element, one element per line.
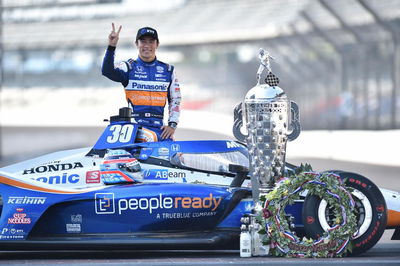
<point>148,84</point>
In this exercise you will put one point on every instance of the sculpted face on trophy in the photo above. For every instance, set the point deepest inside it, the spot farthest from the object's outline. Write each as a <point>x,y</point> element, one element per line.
<point>271,120</point>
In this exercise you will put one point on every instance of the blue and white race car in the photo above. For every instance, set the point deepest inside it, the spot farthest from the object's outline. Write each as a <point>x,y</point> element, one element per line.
<point>156,195</point>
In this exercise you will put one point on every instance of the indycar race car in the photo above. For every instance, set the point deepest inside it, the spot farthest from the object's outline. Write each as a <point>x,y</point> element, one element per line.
<point>158,195</point>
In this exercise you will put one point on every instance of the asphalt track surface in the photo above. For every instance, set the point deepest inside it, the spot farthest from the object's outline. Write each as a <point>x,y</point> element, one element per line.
<point>20,143</point>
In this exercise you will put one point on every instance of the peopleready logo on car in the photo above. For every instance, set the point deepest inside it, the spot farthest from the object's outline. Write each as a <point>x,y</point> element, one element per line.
<point>106,203</point>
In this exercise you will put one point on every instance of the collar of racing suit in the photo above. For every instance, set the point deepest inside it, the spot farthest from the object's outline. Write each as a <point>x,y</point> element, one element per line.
<point>152,63</point>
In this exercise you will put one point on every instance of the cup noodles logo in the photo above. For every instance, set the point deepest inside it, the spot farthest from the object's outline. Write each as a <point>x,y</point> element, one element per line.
<point>19,218</point>
<point>92,177</point>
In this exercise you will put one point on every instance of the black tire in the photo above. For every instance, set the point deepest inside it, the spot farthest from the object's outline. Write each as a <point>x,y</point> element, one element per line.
<point>371,229</point>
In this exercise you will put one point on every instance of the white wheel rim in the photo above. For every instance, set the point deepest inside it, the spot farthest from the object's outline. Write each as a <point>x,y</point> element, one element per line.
<point>367,212</point>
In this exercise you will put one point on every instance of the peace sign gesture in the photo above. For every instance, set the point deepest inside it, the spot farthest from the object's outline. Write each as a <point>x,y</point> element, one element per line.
<point>114,36</point>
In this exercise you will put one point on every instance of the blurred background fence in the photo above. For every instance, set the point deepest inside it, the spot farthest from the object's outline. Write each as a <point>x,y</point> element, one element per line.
<point>339,60</point>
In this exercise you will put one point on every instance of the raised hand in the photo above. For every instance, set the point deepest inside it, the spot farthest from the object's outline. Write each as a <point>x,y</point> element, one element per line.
<point>114,36</point>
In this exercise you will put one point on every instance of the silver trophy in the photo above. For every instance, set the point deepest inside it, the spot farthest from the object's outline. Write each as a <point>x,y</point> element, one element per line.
<point>271,120</point>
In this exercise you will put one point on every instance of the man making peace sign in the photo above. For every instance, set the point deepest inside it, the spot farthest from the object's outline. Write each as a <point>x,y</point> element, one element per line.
<point>148,84</point>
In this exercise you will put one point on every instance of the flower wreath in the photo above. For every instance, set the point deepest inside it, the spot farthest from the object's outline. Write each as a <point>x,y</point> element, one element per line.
<point>284,242</point>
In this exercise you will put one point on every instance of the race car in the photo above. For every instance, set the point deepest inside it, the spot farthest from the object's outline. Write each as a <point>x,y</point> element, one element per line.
<point>158,195</point>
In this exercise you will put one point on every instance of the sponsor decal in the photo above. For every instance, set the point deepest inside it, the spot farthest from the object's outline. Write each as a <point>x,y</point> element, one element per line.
<point>92,177</point>
<point>140,76</point>
<point>182,215</point>
<point>146,30</point>
<point>177,89</point>
<point>143,156</point>
<point>232,144</point>
<point>162,174</point>
<point>59,179</point>
<point>11,237</point>
<point>73,228</point>
<point>374,231</point>
<point>149,85</point>
<point>140,68</point>
<point>202,214</point>
<point>19,218</point>
<point>155,203</point>
<point>76,218</point>
<point>310,220</point>
<point>105,203</point>
<point>160,75</point>
<point>160,69</point>
<point>120,65</point>
<point>51,162</point>
<point>380,208</point>
<point>133,163</point>
<point>53,168</point>
<point>175,147</point>
<point>175,215</point>
<point>26,200</point>
<point>163,151</point>
<point>358,182</point>
<point>11,233</point>
<point>147,98</point>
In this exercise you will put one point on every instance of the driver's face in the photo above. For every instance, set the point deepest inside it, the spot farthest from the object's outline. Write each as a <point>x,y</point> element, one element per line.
<point>147,47</point>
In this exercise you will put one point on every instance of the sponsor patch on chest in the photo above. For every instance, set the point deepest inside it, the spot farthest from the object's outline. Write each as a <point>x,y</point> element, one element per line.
<point>142,85</point>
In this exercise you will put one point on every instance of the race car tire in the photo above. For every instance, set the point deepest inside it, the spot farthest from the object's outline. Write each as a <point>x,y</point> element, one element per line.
<point>370,204</point>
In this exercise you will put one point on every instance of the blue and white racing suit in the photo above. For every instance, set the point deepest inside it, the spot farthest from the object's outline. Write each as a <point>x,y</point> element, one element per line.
<point>148,86</point>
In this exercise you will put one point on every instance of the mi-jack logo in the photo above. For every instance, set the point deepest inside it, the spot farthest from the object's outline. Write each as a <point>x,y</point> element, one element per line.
<point>105,203</point>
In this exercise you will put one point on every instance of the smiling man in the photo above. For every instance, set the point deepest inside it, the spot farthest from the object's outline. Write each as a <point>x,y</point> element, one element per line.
<point>149,84</point>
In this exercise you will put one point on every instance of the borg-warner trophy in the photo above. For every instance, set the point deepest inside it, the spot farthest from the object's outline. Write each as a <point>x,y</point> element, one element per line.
<point>271,120</point>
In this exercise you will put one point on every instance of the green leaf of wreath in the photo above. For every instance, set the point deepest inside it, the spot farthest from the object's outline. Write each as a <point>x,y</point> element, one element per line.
<point>278,233</point>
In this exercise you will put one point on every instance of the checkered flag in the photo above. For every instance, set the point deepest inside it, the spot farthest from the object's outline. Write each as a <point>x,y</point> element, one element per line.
<point>272,80</point>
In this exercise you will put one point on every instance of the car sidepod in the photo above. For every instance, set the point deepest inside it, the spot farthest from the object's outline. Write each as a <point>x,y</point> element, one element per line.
<point>139,208</point>
<point>133,215</point>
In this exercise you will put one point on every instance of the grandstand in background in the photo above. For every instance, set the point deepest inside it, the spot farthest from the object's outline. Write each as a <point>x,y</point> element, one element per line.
<point>340,60</point>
